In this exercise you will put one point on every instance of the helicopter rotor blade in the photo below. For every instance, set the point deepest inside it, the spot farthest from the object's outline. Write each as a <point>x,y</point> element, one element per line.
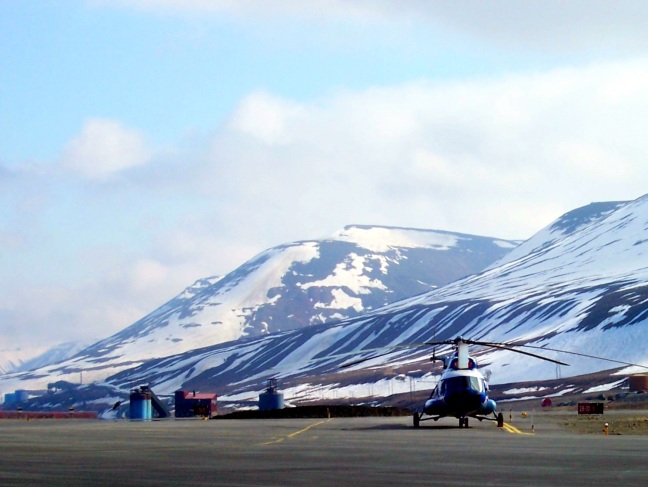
<point>503,346</point>
<point>579,354</point>
<point>361,360</point>
<point>444,342</point>
<point>584,355</point>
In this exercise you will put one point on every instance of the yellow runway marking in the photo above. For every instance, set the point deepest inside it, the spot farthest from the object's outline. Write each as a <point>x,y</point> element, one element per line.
<point>295,433</point>
<point>512,429</point>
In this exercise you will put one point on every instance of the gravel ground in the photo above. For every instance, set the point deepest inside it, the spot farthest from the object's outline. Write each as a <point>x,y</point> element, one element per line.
<point>620,422</point>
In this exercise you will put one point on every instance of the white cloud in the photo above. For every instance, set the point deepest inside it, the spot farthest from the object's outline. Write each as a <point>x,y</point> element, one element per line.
<point>314,9</point>
<point>146,273</point>
<point>436,154</point>
<point>103,148</point>
<point>543,25</point>
<point>266,118</point>
<point>550,24</point>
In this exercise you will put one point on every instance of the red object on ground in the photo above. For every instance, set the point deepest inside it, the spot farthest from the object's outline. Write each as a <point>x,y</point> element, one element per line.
<point>48,415</point>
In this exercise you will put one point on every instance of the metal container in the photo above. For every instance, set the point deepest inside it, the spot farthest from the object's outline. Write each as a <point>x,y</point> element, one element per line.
<point>140,405</point>
<point>269,401</point>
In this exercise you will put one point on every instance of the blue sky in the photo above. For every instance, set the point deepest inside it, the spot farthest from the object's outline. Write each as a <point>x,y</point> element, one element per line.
<point>147,143</point>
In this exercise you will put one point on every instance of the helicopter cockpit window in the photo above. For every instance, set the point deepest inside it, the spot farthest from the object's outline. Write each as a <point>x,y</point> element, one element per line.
<point>460,383</point>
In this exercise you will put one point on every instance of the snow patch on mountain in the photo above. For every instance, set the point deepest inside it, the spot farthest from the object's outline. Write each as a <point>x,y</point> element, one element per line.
<point>352,274</point>
<point>381,239</point>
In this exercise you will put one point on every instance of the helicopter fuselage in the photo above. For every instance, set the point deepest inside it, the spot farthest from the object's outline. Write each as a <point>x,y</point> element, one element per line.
<point>460,393</point>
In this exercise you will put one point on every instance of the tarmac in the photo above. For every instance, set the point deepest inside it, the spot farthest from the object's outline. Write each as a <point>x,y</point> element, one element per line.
<point>371,451</point>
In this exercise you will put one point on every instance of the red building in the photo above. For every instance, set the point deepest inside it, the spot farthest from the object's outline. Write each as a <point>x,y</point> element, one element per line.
<point>190,404</point>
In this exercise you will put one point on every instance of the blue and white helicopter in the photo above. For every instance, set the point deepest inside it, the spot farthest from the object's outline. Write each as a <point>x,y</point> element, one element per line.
<point>462,391</point>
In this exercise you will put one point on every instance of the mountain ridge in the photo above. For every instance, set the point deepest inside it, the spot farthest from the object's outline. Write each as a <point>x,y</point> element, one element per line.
<point>294,285</point>
<point>552,296</point>
<point>579,284</point>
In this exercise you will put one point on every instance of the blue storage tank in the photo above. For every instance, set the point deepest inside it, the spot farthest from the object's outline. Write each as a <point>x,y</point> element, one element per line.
<point>140,405</point>
<point>271,399</point>
<point>10,398</point>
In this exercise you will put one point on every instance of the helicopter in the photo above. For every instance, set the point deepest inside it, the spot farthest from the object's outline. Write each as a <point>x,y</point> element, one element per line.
<point>462,391</point>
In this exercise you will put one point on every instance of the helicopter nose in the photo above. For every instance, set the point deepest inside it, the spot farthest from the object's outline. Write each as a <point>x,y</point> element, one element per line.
<point>465,400</point>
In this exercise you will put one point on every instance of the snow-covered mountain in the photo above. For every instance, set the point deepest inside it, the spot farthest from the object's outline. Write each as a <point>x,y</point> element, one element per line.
<point>12,359</point>
<point>20,360</point>
<point>53,355</point>
<point>580,285</point>
<point>289,287</point>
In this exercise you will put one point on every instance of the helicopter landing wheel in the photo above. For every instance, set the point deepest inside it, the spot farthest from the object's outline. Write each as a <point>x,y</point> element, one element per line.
<point>463,422</point>
<point>500,420</point>
<point>417,420</point>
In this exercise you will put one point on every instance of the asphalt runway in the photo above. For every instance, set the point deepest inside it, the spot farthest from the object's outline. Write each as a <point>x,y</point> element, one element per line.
<point>313,452</point>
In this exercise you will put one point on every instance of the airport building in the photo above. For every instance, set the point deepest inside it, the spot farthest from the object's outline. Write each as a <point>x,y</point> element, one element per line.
<point>192,404</point>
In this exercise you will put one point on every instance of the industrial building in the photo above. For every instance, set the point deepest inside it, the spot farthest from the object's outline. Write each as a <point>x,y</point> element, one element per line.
<point>21,396</point>
<point>18,397</point>
<point>192,404</point>
<point>144,403</point>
